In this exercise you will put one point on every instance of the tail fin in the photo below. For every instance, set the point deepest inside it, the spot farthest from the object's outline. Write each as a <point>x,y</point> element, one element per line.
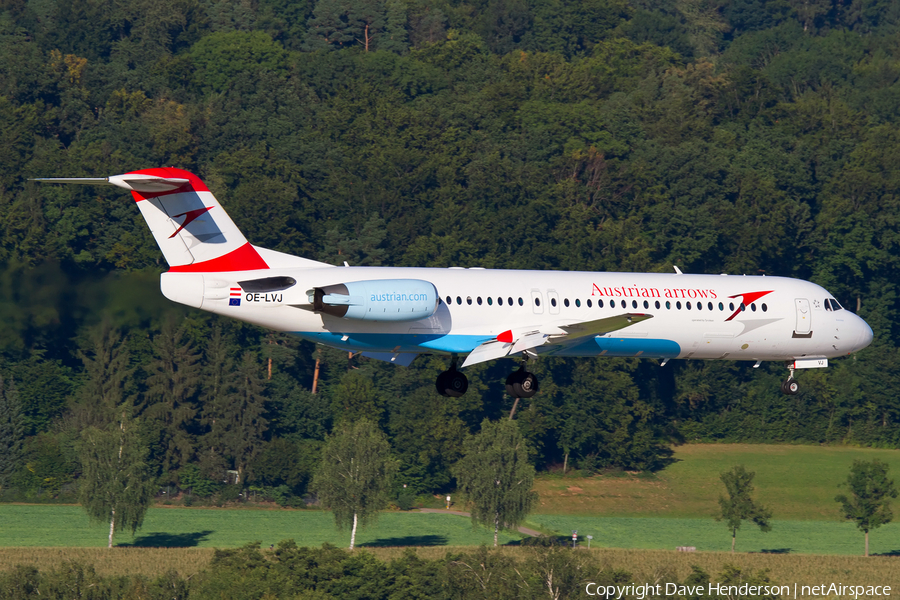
<point>191,227</point>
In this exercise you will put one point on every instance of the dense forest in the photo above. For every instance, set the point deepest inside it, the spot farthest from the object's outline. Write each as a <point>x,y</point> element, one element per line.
<point>750,136</point>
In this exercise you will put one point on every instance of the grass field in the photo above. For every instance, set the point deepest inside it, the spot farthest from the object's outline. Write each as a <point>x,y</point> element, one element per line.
<point>54,525</point>
<point>48,526</point>
<point>786,537</point>
<point>796,482</point>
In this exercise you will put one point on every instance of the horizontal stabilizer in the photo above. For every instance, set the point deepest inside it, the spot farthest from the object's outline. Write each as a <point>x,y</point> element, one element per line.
<point>136,183</point>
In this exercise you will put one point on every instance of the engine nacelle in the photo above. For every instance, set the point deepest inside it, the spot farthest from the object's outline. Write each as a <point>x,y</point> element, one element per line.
<point>377,300</point>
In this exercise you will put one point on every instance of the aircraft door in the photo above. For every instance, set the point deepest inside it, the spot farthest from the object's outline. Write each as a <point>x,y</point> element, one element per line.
<point>537,302</point>
<point>804,318</point>
<point>553,299</point>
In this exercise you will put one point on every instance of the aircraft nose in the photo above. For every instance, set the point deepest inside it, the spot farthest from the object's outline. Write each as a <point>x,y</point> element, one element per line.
<point>864,334</point>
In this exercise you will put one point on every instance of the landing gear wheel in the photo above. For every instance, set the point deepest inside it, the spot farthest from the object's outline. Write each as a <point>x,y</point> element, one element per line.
<point>521,384</point>
<point>452,384</point>
<point>790,387</point>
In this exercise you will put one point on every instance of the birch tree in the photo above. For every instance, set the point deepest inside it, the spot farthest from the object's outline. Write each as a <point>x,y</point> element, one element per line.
<point>496,476</point>
<point>115,484</point>
<point>354,478</point>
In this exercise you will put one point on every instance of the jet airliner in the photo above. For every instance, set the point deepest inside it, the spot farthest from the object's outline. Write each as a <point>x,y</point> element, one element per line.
<point>395,314</point>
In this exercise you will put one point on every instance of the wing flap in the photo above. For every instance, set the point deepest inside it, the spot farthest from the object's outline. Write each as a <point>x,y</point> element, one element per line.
<point>487,351</point>
<point>526,339</point>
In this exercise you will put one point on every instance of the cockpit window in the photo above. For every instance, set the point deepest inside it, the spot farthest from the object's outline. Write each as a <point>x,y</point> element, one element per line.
<point>832,304</point>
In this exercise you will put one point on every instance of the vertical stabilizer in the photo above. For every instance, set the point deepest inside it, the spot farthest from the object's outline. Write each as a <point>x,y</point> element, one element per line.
<point>191,227</point>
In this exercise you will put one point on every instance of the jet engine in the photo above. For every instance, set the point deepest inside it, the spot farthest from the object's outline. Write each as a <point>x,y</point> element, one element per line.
<point>377,300</point>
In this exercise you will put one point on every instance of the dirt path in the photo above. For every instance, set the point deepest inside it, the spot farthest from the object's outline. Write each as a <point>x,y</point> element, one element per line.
<point>522,530</point>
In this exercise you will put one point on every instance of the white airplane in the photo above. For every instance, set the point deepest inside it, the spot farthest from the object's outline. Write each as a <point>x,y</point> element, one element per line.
<point>394,314</point>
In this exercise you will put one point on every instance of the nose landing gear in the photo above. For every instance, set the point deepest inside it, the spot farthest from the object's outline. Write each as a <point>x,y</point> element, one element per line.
<point>790,385</point>
<point>451,383</point>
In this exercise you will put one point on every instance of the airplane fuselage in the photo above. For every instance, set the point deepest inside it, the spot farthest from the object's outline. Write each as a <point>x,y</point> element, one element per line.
<point>693,316</point>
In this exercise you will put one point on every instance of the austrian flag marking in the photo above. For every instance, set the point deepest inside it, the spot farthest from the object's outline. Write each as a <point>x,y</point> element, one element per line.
<point>235,299</point>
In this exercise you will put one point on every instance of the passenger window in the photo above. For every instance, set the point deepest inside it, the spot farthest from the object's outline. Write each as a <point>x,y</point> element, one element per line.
<point>566,302</point>
<point>764,307</point>
<point>678,305</point>
<point>589,303</point>
<point>522,302</point>
<point>469,300</point>
<point>577,303</point>
<point>731,306</point>
<point>510,301</point>
<point>634,304</point>
<point>479,300</point>
<point>600,303</point>
<point>552,301</point>
<point>743,307</point>
<point>699,306</point>
<point>753,307</point>
<point>646,304</point>
<point>490,301</point>
<point>449,300</point>
<point>688,305</point>
<point>709,306</point>
<point>458,300</point>
<point>721,306</point>
<point>537,301</point>
<point>668,305</point>
<point>657,304</point>
<point>500,301</point>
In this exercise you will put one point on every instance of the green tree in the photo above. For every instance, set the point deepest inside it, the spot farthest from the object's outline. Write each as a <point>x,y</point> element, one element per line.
<point>496,477</point>
<point>739,506</point>
<point>105,359</point>
<point>243,422</point>
<point>12,430</point>
<point>354,479</point>
<point>115,484</point>
<point>170,398</point>
<point>869,503</point>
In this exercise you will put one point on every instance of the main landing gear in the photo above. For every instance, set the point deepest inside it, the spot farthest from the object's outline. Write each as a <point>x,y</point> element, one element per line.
<point>790,385</point>
<point>521,383</point>
<point>451,383</point>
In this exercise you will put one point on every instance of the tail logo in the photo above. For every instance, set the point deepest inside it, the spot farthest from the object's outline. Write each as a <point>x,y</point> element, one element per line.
<point>189,217</point>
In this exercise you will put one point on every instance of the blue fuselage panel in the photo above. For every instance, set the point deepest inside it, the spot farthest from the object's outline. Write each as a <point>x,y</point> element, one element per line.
<point>463,344</point>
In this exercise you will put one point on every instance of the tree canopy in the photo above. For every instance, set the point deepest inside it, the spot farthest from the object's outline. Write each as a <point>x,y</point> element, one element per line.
<point>603,135</point>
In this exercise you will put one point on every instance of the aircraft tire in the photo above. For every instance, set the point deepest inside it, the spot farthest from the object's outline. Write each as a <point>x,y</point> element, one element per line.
<point>514,380</point>
<point>456,384</point>
<point>527,386</point>
<point>790,387</point>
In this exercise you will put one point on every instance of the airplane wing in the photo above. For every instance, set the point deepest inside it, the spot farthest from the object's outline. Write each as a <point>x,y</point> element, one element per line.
<point>513,342</point>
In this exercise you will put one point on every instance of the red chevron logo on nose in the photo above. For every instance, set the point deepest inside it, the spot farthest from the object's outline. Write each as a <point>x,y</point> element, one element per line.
<point>189,217</point>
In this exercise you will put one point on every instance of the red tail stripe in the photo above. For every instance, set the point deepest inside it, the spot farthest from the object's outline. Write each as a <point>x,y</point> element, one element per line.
<point>245,258</point>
